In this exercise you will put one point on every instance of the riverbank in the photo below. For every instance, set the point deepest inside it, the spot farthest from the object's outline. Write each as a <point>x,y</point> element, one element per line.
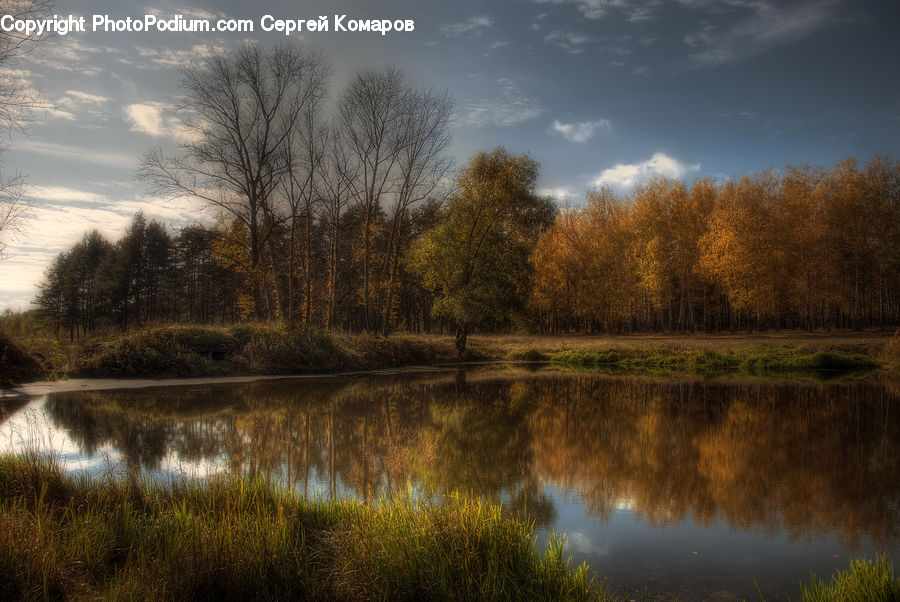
<point>195,351</point>
<point>242,538</point>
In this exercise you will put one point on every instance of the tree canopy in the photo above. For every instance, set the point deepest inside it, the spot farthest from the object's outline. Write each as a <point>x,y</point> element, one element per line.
<point>477,257</point>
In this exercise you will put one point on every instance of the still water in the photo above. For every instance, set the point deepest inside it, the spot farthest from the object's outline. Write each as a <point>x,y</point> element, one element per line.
<point>691,488</point>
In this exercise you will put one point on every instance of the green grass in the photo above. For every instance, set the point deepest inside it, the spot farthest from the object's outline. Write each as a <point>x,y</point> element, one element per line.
<point>754,361</point>
<point>792,361</point>
<point>866,580</point>
<point>246,539</point>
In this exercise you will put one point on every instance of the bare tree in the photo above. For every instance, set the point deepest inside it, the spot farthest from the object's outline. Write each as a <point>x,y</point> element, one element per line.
<point>17,101</point>
<point>13,206</point>
<point>17,98</point>
<point>304,194</point>
<point>422,166</point>
<point>339,175</point>
<point>371,128</point>
<point>242,110</point>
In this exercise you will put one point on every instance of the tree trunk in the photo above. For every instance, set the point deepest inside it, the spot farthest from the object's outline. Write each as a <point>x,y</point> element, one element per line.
<point>462,333</point>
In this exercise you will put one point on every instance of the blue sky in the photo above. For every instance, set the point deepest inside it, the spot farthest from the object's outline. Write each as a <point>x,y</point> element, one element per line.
<point>597,91</point>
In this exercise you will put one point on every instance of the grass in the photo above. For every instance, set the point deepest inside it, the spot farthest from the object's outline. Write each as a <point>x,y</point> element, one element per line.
<point>865,580</point>
<point>275,348</point>
<point>741,357</point>
<point>243,538</point>
<point>250,349</point>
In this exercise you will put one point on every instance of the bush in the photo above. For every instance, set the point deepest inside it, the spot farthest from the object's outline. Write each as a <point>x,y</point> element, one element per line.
<point>17,364</point>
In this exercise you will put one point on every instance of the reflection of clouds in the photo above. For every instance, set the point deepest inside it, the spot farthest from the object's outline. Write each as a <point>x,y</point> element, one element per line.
<point>580,542</point>
<point>30,430</point>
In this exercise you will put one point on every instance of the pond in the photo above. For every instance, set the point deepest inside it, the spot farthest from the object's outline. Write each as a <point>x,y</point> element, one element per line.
<point>689,487</point>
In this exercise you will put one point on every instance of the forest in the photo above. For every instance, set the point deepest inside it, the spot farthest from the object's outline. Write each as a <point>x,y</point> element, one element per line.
<point>347,214</point>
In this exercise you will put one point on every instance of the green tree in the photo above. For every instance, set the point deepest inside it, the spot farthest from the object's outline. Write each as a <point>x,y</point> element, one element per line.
<point>476,259</point>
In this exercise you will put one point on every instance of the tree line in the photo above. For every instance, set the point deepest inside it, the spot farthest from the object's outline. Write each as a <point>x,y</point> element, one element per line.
<point>806,248</point>
<point>343,213</point>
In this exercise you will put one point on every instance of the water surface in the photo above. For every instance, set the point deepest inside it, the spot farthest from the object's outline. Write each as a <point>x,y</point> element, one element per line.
<point>692,488</point>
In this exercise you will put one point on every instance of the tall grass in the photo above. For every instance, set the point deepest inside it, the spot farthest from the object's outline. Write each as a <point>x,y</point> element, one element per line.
<point>245,539</point>
<point>866,580</point>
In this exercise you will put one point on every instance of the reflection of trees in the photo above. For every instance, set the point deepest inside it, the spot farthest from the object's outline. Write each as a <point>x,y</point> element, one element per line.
<point>808,459</point>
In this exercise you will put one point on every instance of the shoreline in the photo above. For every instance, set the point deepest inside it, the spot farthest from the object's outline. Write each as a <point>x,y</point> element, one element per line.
<point>191,355</point>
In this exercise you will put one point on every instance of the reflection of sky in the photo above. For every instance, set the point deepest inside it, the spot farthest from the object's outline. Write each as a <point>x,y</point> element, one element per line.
<point>707,562</point>
<point>690,560</point>
<point>29,429</point>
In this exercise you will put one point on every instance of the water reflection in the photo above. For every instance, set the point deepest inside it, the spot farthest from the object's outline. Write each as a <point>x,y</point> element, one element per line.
<point>801,462</point>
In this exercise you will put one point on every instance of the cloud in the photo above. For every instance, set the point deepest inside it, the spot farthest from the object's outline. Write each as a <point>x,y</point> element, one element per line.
<point>499,44</point>
<point>165,58</point>
<point>625,176</point>
<point>634,11</point>
<point>86,97</point>
<point>69,54</point>
<point>560,195</point>
<point>512,107</point>
<point>63,194</point>
<point>154,119</point>
<point>78,153</point>
<point>766,26</point>
<point>473,23</point>
<point>74,105</point>
<point>570,42</point>
<point>581,131</point>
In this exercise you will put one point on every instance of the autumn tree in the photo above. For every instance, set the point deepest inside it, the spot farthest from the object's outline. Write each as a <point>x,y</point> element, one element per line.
<point>477,257</point>
<point>585,273</point>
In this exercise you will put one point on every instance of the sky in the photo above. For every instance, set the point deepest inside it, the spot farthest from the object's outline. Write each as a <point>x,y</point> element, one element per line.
<point>598,92</point>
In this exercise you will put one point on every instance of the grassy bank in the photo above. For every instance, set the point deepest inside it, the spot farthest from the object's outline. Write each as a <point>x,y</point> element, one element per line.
<point>277,349</point>
<point>706,354</point>
<point>212,351</point>
<point>66,538</point>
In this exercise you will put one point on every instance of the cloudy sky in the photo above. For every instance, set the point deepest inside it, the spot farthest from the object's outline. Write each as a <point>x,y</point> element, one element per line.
<point>598,91</point>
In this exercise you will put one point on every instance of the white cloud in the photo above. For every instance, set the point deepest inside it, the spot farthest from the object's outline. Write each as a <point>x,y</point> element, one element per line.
<point>625,176</point>
<point>472,24</point>
<point>75,102</point>
<point>580,131</point>
<point>512,107</point>
<point>633,10</point>
<point>63,194</point>
<point>154,119</point>
<point>164,58</point>
<point>767,26</point>
<point>499,44</point>
<point>85,97</point>
<point>560,195</point>
<point>59,113</point>
<point>68,54</point>
<point>145,118</point>
<point>78,153</point>
<point>571,42</point>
